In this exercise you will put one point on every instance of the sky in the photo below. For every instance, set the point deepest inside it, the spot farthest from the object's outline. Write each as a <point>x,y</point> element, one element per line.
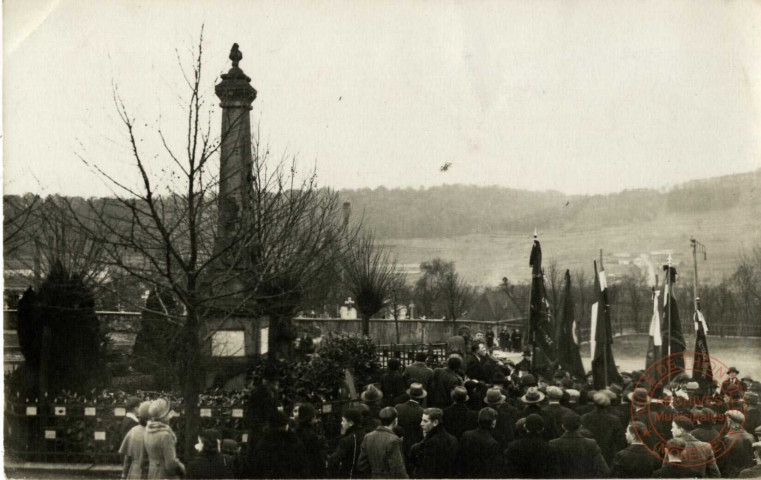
<point>580,96</point>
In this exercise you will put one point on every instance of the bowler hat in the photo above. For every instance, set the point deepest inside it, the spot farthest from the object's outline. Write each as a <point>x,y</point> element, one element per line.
<point>494,396</point>
<point>733,370</point>
<point>459,394</point>
<point>371,394</point>
<point>533,395</point>
<point>417,391</point>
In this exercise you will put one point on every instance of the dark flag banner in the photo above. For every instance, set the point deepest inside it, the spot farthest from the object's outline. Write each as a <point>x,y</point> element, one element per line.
<point>604,370</point>
<point>674,345</point>
<point>540,315</point>
<point>701,365</point>
<point>569,355</point>
<point>655,341</point>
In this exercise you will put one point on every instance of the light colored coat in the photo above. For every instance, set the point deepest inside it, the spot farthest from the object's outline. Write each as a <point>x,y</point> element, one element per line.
<point>160,446</point>
<point>132,450</point>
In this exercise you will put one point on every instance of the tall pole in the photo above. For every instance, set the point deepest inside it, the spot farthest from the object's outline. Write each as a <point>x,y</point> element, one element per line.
<point>605,321</point>
<point>669,285</point>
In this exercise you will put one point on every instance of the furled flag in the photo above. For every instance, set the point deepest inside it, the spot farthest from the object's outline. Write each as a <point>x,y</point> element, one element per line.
<point>701,365</point>
<point>540,315</point>
<point>569,355</point>
<point>655,341</point>
<point>604,370</point>
<point>671,325</point>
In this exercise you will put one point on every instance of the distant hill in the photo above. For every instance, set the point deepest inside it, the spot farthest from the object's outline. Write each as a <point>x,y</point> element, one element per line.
<point>487,230</point>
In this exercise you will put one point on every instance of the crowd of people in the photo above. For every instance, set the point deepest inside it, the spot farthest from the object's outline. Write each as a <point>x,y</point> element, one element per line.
<point>477,417</point>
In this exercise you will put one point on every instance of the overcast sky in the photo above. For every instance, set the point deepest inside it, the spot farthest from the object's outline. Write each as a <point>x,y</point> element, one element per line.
<point>577,96</point>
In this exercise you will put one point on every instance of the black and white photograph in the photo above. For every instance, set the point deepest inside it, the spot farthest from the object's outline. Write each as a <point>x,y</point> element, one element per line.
<point>251,239</point>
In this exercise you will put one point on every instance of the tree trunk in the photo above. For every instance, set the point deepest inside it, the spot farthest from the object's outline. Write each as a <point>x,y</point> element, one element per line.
<point>192,381</point>
<point>366,325</point>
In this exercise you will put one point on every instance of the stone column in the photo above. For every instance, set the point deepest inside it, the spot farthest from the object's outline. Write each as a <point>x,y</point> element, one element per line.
<point>236,162</point>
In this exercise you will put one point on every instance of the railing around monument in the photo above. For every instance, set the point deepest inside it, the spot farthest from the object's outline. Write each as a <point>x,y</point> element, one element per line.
<point>405,352</point>
<point>89,433</point>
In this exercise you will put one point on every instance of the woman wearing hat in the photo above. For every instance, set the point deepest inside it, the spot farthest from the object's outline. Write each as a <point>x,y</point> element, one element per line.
<point>160,442</point>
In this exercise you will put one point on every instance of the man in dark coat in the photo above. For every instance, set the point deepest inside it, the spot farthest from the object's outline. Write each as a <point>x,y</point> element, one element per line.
<point>392,383</point>
<point>644,411</point>
<point>262,404</point>
<point>410,415</point>
<point>605,428</point>
<point>436,455</point>
<point>480,455</point>
<point>673,466</point>
<point>579,457</point>
<point>209,463</point>
<point>419,372</point>
<point>739,445</point>
<point>732,384</point>
<point>531,456</point>
<point>554,410</point>
<point>443,381</point>
<point>517,341</point>
<point>279,454</point>
<point>458,418</point>
<point>752,412</point>
<point>634,461</point>
<point>314,444</point>
<point>532,400</point>
<point>754,471</point>
<point>490,339</point>
<point>342,463</point>
<point>506,417</point>
<point>380,454</point>
<point>130,418</point>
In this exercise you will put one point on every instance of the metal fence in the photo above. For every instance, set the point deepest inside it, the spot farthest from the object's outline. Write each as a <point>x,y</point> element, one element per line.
<point>405,352</point>
<point>90,433</point>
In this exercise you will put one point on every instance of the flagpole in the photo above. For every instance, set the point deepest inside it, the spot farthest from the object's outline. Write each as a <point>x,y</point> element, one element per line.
<point>605,322</point>
<point>531,329</point>
<point>693,244</point>
<point>668,312</point>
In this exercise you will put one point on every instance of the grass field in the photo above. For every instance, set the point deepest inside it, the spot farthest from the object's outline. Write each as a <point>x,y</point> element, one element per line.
<point>743,353</point>
<point>629,353</point>
<point>484,259</point>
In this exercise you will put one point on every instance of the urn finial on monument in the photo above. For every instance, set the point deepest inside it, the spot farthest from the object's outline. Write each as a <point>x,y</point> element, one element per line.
<point>235,89</point>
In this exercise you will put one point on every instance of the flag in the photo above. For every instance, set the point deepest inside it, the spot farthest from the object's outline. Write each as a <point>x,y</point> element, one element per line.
<point>540,315</point>
<point>655,341</point>
<point>701,365</point>
<point>569,356</point>
<point>604,370</point>
<point>671,326</point>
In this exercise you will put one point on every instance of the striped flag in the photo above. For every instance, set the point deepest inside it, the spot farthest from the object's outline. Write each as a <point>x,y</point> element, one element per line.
<point>701,365</point>
<point>604,370</point>
<point>655,341</point>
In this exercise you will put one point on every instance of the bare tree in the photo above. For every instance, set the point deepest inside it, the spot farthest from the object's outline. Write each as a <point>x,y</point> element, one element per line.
<point>457,296</point>
<point>399,293</point>
<point>428,289</point>
<point>369,274</point>
<point>17,216</point>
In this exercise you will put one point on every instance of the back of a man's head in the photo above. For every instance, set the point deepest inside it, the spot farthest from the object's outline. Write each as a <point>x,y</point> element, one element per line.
<point>486,417</point>
<point>387,416</point>
<point>454,363</point>
<point>571,422</point>
<point>421,357</point>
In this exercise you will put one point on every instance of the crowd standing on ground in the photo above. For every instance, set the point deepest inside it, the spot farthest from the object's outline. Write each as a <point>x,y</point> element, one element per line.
<point>475,417</point>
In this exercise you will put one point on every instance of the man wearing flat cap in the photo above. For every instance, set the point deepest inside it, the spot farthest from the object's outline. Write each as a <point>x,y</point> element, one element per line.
<point>606,429</point>
<point>579,457</point>
<point>554,410</point>
<point>754,471</point>
<point>738,444</point>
